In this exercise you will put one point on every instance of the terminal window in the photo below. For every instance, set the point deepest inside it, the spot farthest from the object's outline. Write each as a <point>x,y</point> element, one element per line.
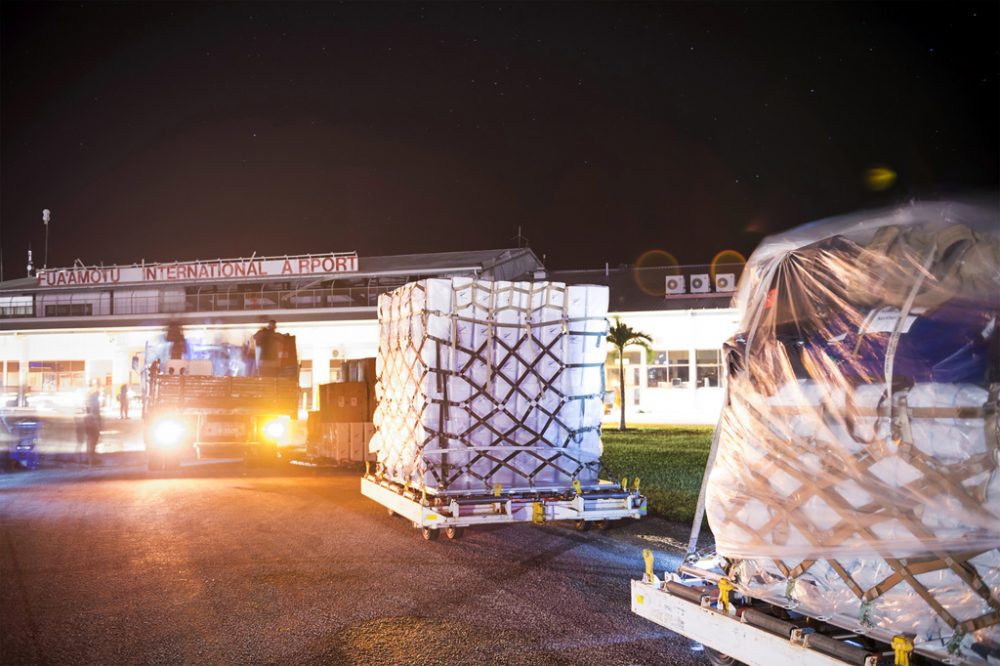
<point>11,374</point>
<point>69,309</point>
<point>709,362</point>
<point>633,361</point>
<point>17,306</point>
<point>56,375</point>
<point>668,369</point>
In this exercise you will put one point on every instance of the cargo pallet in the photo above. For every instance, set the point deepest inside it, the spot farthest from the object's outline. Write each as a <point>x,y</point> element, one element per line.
<point>599,505</point>
<point>696,603</point>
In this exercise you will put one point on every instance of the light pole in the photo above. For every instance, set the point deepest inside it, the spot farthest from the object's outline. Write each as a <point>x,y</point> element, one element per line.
<point>46,216</point>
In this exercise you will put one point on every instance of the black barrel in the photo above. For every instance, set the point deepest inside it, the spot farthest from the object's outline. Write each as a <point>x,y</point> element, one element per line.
<point>851,654</point>
<point>695,594</point>
<point>768,623</point>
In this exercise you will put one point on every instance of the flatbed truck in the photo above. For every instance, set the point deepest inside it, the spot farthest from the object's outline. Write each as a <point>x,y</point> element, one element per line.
<point>246,417</point>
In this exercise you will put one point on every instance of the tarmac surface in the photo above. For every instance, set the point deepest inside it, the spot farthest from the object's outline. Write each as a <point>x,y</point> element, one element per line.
<point>219,564</point>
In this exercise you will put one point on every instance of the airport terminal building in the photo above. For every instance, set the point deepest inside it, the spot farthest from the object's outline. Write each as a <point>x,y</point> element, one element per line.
<point>63,327</point>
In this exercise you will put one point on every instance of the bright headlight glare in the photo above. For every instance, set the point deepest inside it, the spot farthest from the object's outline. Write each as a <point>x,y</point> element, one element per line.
<point>275,429</point>
<point>168,432</point>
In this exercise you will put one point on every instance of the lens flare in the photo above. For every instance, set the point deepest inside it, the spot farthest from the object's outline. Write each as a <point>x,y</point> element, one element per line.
<point>727,261</point>
<point>651,269</point>
<point>168,433</point>
<point>275,429</point>
<point>879,178</point>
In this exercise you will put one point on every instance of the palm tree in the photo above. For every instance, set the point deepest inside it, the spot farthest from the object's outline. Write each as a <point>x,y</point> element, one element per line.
<point>622,335</point>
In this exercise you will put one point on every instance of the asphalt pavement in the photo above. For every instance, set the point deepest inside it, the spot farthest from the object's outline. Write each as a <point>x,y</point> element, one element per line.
<point>219,564</point>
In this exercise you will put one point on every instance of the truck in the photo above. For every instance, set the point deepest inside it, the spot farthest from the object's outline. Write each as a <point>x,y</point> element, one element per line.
<point>204,404</point>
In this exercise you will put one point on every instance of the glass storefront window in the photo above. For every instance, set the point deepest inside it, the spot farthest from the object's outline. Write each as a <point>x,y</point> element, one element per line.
<point>11,377</point>
<point>17,306</point>
<point>69,309</point>
<point>709,362</point>
<point>51,376</point>
<point>669,369</point>
<point>633,360</point>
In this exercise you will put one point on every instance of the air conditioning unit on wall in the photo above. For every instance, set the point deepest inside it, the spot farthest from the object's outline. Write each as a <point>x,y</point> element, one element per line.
<point>675,285</point>
<point>700,283</point>
<point>725,282</point>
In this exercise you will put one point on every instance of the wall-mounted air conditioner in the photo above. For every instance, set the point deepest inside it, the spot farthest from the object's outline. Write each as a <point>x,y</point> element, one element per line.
<point>700,283</point>
<point>725,281</point>
<point>675,285</point>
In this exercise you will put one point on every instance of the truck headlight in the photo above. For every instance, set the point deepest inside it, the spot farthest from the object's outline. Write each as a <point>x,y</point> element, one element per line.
<point>275,429</point>
<point>168,433</point>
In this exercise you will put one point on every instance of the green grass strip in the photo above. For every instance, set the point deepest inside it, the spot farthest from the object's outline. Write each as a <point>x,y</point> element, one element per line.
<point>669,461</point>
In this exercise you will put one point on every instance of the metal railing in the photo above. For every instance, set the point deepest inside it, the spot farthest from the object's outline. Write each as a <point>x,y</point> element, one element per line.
<point>105,303</point>
<point>177,301</point>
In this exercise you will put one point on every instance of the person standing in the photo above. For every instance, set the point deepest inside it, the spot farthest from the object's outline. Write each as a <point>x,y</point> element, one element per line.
<point>123,401</point>
<point>174,336</point>
<point>265,348</point>
<point>92,422</point>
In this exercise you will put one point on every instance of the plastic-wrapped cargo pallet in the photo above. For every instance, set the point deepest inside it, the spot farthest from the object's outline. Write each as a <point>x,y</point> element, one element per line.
<point>856,474</point>
<point>482,383</point>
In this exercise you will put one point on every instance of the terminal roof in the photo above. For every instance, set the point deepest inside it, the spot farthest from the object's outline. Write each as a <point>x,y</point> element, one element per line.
<point>501,264</point>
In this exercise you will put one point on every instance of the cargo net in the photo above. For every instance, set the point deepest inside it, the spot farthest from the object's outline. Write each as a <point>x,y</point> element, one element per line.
<point>856,475</point>
<point>490,384</point>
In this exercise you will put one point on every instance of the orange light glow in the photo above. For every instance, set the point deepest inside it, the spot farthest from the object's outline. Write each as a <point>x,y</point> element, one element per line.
<point>651,268</point>
<point>727,261</point>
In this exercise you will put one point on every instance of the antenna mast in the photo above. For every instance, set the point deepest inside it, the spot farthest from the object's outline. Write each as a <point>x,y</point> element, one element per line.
<point>522,241</point>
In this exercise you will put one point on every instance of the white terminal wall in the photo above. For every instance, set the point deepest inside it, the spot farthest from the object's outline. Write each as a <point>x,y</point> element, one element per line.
<point>672,330</point>
<point>110,350</point>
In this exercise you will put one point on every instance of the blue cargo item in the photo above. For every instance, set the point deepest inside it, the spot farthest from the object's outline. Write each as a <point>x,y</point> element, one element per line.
<point>949,344</point>
<point>20,434</point>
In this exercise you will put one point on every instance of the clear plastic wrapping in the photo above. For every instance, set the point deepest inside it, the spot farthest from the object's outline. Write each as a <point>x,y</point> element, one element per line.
<point>856,473</point>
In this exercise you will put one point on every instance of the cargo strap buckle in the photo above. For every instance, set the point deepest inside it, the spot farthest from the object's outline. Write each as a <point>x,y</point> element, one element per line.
<point>647,556</point>
<point>902,646</point>
<point>537,513</point>
<point>725,587</point>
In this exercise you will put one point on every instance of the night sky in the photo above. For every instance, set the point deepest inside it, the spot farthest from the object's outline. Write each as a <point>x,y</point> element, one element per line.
<point>165,131</point>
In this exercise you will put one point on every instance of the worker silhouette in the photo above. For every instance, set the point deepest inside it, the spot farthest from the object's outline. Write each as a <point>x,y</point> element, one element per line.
<point>266,349</point>
<point>174,336</point>
<point>123,401</point>
<point>92,422</point>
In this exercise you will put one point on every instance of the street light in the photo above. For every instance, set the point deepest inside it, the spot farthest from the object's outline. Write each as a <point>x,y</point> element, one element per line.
<point>46,216</point>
